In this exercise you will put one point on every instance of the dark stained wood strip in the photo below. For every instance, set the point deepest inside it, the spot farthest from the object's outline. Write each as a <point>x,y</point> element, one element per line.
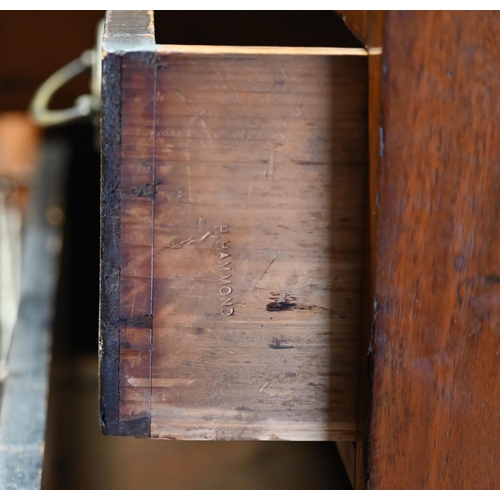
<point>109,331</point>
<point>118,335</point>
<point>436,348</point>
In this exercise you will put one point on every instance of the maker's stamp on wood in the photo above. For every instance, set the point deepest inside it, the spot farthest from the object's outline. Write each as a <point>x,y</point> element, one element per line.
<point>222,245</point>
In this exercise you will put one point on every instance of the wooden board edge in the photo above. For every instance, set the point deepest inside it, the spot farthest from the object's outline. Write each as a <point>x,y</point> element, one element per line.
<point>109,272</point>
<point>368,27</point>
<point>254,50</point>
<point>124,33</point>
<point>110,315</point>
<point>375,152</point>
<point>109,310</point>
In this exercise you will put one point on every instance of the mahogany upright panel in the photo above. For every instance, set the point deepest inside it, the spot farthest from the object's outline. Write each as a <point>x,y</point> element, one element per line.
<point>436,344</point>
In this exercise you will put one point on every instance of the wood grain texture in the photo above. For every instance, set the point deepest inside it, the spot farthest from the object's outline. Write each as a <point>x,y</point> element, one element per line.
<point>136,237</point>
<point>257,246</point>
<point>436,349</point>
<point>233,194</point>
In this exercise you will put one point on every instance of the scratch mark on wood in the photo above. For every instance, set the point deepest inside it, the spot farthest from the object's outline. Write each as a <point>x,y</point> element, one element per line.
<point>204,125</point>
<point>190,241</point>
<point>190,196</point>
<point>205,236</point>
<point>270,170</point>
<point>268,389</point>
<point>267,268</point>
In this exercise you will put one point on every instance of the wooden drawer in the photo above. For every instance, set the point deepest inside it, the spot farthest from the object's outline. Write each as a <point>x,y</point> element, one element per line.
<point>233,187</point>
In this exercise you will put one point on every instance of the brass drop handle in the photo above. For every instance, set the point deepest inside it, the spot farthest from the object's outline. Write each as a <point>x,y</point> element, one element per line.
<point>86,105</point>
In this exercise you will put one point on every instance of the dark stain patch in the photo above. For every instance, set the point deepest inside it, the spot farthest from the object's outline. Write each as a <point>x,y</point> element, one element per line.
<point>138,427</point>
<point>491,279</point>
<point>144,190</point>
<point>276,343</point>
<point>308,162</point>
<point>144,321</point>
<point>243,408</point>
<point>199,331</point>
<point>280,306</point>
<point>311,308</point>
<point>289,303</point>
